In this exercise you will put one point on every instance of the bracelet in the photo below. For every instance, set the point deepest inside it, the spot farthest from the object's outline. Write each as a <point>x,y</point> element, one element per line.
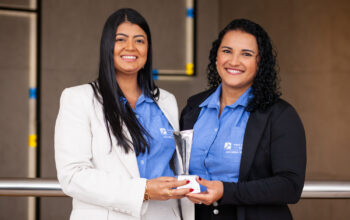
<point>146,195</point>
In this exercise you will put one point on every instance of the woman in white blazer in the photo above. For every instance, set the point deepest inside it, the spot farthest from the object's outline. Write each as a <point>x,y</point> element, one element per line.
<point>113,137</point>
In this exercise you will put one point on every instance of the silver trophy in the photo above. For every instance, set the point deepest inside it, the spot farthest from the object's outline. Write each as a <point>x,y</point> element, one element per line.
<point>183,142</point>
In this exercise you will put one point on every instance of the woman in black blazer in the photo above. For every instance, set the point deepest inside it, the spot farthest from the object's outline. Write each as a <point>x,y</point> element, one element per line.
<point>272,157</point>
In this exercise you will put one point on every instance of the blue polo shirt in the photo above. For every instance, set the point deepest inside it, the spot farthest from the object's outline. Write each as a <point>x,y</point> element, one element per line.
<point>218,141</point>
<point>154,163</point>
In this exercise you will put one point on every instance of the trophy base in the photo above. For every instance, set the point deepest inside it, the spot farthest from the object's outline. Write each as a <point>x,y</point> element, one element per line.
<point>193,183</point>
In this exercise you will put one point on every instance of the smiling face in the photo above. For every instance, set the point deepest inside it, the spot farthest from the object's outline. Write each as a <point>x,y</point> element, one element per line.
<point>130,49</point>
<point>237,60</point>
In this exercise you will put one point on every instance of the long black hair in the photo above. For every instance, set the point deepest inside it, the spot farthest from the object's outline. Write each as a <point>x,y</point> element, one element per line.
<point>108,92</point>
<point>265,85</point>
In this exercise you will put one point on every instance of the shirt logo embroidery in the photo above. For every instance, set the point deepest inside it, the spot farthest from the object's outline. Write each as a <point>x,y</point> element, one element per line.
<point>232,148</point>
<point>166,133</point>
<point>228,146</point>
<point>163,131</point>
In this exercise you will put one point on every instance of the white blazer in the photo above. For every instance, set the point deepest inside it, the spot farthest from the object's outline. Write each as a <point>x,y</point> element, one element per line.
<point>104,181</point>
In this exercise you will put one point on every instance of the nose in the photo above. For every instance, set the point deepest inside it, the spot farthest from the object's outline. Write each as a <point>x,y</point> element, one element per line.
<point>234,61</point>
<point>130,45</point>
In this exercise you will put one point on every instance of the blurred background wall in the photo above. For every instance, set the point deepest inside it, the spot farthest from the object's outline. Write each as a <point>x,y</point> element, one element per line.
<point>311,36</point>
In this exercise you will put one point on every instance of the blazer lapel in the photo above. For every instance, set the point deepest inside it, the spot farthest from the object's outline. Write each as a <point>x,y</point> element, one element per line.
<point>165,106</point>
<point>255,127</point>
<point>128,159</point>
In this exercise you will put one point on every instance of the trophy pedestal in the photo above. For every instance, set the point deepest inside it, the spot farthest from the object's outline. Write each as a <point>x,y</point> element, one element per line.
<point>193,183</point>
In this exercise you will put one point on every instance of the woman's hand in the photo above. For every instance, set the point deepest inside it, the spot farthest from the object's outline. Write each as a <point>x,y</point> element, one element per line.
<point>215,191</point>
<point>164,188</point>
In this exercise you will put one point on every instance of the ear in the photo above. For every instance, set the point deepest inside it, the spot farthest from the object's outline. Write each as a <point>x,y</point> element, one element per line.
<point>258,58</point>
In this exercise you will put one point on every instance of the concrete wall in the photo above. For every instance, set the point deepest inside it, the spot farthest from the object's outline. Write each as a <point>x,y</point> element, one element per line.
<point>14,65</point>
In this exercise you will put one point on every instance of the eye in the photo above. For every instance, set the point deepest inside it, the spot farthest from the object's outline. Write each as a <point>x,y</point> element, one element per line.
<point>140,41</point>
<point>119,39</point>
<point>247,54</point>
<point>226,51</point>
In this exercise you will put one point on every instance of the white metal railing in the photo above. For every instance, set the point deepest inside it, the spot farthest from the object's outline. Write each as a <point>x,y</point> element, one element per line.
<point>40,187</point>
<point>326,190</point>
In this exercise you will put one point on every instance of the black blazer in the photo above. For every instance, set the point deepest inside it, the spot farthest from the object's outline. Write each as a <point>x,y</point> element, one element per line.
<point>273,162</point>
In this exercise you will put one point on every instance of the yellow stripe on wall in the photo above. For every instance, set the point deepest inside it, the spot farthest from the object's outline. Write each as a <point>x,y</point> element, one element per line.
<point>32,140</point>
<point>189,69</point>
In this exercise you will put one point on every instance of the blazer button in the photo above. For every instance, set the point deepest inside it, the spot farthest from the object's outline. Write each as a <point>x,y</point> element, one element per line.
<point>216,211</point>
<point>215,204</point>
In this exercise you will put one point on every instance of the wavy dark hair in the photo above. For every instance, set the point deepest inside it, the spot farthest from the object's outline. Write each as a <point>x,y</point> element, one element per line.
<point>265,86</point>
<point>108,92</point>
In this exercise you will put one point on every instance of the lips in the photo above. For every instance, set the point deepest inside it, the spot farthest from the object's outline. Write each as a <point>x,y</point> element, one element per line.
<point>128,57</point>
<point>234,71</point>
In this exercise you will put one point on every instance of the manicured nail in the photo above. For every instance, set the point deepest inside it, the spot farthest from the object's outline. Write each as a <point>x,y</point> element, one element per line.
<point>187,181</point>
<point>199,178</point>
<point>191,190</point>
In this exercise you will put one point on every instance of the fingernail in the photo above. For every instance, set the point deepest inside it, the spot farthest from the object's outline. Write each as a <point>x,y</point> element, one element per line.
<point>199,178</point>
<point>191,190</point>
<point>187,181</point>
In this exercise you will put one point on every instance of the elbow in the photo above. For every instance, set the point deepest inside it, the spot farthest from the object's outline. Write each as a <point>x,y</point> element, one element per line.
<point>64,181</point>
<point>297,194</point>
<point>295,191</point>
<point>64,186</point>
<point>294,199</point>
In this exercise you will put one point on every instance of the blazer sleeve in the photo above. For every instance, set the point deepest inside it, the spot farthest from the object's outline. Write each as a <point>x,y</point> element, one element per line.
<point>76,172</point>
<point>288,163</point>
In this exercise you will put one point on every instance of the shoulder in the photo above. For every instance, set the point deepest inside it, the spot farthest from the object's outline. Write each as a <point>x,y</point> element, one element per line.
<point>282,106</point>
<point>191,111</point>
<point>77,95</point>
<point>282,112</point>
<point>166,97</point>
<point>194,101</point>
<point>276,108</point>
<point>164,94</point>
<point>198,98</point>
<point>85,89</point>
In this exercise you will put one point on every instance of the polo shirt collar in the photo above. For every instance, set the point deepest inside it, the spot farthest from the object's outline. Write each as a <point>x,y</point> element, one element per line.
<point>213,101</point>
<point>142,98</point>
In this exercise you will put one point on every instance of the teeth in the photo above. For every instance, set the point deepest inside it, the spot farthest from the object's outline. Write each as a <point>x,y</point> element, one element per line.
<point>234,71</point>
<point>129,57</point>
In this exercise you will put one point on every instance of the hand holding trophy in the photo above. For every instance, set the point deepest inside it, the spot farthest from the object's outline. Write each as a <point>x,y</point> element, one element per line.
<point>183,142</point>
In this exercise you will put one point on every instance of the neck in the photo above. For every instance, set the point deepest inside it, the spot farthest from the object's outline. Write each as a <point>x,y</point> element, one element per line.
<point>229,96</point>
<point>129,87</point>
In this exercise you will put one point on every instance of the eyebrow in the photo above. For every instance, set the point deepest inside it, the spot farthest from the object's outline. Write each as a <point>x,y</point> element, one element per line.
<point>244,50</point>
<point>247,50</point>
<point>135,36</point>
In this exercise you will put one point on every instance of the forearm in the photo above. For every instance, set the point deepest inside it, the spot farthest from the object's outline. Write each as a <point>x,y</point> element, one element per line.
<point>282,189</point>
<point>103,189</point>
